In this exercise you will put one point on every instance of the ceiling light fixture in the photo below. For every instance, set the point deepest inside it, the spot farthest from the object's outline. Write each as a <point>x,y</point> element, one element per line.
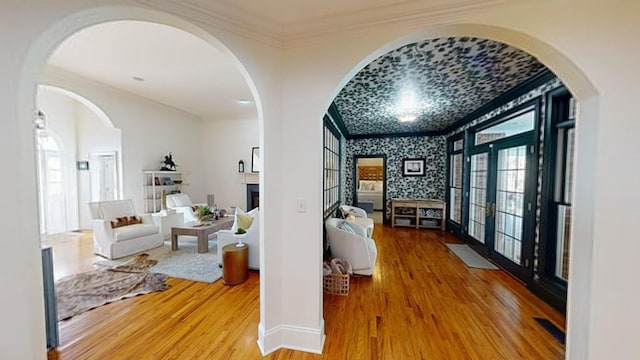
<point>406,116</point>
<point>243,102</point>
<point>138,78</point>
<point>408,107</point>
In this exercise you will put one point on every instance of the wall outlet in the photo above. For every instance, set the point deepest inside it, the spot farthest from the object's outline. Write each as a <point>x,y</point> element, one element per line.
<point>301,206</point>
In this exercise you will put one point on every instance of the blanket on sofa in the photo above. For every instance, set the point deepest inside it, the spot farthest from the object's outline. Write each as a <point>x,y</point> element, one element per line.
<point>85,291</point>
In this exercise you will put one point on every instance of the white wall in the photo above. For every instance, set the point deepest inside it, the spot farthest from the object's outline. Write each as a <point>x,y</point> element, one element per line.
<point>225,142</point>
<point>93,137</point>
<point>60,112</point>
<point>294,88</point>
<point>149,130</point>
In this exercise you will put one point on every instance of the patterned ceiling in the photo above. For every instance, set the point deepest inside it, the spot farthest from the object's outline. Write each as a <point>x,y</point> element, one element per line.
<point>440,80</point>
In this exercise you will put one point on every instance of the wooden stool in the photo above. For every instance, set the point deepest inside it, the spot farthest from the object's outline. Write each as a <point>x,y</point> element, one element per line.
<point>235,264</point>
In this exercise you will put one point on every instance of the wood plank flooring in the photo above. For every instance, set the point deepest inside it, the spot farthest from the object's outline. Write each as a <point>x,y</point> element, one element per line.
<point>421,303</point>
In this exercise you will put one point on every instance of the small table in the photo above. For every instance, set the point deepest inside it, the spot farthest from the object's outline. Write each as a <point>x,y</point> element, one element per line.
<point>202,232</point>
<point>235,264</point>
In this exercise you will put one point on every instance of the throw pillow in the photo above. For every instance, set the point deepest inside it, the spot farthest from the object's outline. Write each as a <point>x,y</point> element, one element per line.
<point>347,228</point>
<point>132,220</point>
<point>244,221</point>
<point>119,222</point>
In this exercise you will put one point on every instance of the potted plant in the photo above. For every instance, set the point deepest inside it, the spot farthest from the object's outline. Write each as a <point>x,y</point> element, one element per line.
<point>239,235</point>
<point>204,214</point>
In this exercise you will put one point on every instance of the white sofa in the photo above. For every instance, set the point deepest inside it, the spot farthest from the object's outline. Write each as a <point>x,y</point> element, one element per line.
<point>355,247</point>
<point>182,204</point>
<point>252,238</point>
<point>360,217</point>
<point>114,243</point>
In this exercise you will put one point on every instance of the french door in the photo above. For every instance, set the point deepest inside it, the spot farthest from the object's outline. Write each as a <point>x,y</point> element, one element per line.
<point>501,196</point>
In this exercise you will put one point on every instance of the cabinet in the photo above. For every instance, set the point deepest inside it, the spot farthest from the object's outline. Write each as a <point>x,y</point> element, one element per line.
<point>418,213</point>
<point>157,185</point>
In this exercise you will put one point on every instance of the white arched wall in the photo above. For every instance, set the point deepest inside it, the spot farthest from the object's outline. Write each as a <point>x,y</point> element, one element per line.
<point>93,131</point>
<point>295,84</point>
<point>601,298</point>
<point>23,309</point>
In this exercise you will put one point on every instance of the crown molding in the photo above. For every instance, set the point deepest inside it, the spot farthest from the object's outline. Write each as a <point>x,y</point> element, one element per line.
<point>225,17</point>
<point>415,14</point>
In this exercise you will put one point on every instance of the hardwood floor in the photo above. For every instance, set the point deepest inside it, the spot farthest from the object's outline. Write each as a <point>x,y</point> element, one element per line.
<point>421,303</point>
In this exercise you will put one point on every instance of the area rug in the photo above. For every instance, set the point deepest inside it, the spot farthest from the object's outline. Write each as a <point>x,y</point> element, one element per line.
<point>81,292</point>
<point>470,258</point>
<point>184,263</point>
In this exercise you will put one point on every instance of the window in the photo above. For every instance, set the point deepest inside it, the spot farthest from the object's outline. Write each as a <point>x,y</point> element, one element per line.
<point>564,134</point>
<point>558,179</point>
<point>456,165</point>
<point>518,124</point>
<point>331,167</point>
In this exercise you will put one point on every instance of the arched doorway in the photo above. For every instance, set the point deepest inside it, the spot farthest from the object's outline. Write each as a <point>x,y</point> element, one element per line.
<point>578,84</point>
<point>66,27</point>
<point>52,199</point>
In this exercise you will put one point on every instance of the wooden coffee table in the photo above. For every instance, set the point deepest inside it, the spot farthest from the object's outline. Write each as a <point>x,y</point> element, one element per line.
<point>202,232</point>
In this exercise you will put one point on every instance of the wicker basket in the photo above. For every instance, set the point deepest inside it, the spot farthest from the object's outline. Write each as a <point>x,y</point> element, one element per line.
<point>336,284</point>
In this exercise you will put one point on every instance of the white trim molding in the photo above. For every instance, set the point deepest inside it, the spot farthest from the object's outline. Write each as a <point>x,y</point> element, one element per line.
<point>291,337</point>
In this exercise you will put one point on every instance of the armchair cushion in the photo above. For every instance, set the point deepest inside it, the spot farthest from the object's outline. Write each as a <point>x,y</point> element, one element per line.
<point>244,221</point>
<point>182,204</point>
<point>134,231</point>
<point>178,200</point>
<point>360,217</point>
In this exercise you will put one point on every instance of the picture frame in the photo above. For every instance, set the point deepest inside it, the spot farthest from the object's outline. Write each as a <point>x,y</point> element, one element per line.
<point>82,165</point>
<point>255,159</point>
<point>413,167</point>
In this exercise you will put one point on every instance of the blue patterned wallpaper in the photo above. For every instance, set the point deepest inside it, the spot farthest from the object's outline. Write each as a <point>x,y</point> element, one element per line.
<point>449,78</point>
<point>433,149</point>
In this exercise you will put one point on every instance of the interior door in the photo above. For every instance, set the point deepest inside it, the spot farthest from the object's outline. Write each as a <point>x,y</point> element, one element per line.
<point>104,176</point>
<point>501,194</point>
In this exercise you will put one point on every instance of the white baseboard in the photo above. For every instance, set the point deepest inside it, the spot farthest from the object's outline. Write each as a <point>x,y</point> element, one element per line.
<point>291,337</point>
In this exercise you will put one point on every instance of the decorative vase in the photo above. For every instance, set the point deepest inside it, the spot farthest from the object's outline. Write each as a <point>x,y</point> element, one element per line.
<point>239,237</point>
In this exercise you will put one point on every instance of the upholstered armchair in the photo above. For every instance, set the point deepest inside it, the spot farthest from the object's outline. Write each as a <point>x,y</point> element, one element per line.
<point>118,231</point>
<point>182,204</point>
<point>348,240</point>
<point>360,217</point>
<point>252,237</point>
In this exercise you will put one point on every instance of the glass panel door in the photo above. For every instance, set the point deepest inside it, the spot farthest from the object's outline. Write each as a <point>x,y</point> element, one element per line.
<point>478,196</point>
<point>509,208</point>
<point>500,214</point>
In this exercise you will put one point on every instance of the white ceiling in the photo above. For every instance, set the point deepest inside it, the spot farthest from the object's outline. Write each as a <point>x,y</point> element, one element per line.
<point>294,11</point>
<point>182,71</point>
<point>179,69</point>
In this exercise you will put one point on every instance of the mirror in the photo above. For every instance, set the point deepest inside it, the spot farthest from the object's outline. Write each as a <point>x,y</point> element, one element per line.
<point>255,159</point>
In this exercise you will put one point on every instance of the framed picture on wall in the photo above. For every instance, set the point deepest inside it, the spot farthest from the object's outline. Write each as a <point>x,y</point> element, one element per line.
<point>255,159</point>
<point>413,167</point>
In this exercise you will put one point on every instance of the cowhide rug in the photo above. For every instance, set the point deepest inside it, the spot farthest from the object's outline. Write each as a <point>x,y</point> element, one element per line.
<point>85,291</point>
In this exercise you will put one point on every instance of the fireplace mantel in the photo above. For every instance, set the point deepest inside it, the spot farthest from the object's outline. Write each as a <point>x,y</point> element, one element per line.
<point>253,196</point>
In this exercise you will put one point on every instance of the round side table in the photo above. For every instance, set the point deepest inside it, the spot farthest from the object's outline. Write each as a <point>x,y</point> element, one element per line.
<point>235,264</point>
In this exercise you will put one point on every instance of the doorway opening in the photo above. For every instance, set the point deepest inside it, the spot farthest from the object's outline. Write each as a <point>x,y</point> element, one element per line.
<point>369,185</point>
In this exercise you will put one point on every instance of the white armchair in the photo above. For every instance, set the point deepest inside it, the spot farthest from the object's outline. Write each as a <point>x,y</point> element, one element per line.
<point>252,238</point>
<point>360,217</point>
<point>114,238</point>
<point>182,204</point>
<point>356,247</point>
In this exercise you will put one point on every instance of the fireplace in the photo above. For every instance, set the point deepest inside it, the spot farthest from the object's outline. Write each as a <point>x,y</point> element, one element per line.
<point>253,196</point>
